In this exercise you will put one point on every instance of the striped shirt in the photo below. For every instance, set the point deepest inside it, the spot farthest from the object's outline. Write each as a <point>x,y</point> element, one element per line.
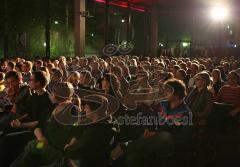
<point>229,95</point>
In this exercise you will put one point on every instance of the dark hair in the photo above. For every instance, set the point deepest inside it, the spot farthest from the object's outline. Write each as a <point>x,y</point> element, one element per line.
<point>178,86</point>
<point>39,62</point>
<point>41,77</point>
<point>11,64</point>
<point>14,74</point>
<point>28,64</point>
<point>114,82</point>
<point>183,72</point>
<point>2,76</point>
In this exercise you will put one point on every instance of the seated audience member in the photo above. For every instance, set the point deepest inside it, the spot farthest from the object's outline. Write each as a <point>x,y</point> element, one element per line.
<point>2,86</point>
<point>111,85</point>
<point>11,66</point>
<point>217,81</point>
<point>26,70</point>
<point>194,70</point>
<point>3,67</point>
<point>63,66</point>
<point>94,141</point>
<point>200,98</point>
<point>48,145</point>
<point>182,75</point>
<point>38,108</point>
<point>230,93</point>
<point>74,79</point>
<point>124,83</point>
<point>141,81</point>
<point>38,105</point>
<point>16,94</point>
<point>37,65</point>
<point>86,81</point>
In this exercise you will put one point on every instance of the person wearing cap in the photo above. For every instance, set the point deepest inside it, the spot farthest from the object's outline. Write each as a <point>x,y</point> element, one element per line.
<point>51,137</point>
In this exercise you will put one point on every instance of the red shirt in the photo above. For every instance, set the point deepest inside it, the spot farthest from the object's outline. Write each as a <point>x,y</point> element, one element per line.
<point>229,95</point>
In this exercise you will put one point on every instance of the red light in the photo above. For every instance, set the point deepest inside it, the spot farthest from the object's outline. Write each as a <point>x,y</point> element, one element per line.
<point>123,5</point>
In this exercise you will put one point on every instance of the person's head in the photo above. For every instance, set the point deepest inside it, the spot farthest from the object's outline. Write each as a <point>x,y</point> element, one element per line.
<point>92,107</point>
<point>110,83</point>
<point>233,78</point>
<point>83,62</point>
<point>133,62</point>
<point>62,91</point>
<point>4,65</point>
<point>38,64</point>
<point>235,65</point>
<point>11,66</point>
<point>26,66</point>
<point>56,62</point>
<point>38,80</point>
<point>216,75</point>
<point>226,67</point>
<point>183,66</point>
<point>103,65</point>
<point>176,89</point>
<point>13,80</point>
<point>62,63</point>
<point>95,65</point>
<point>86,78</point>
<point>194,69</point>
<point>202,80</point>
<point>181,75</point>
<point>50,66</point>
<point>175,69</point>
<point>74,78</point>
<point>142,75</point>
<point>56,74</point>
<point>201,68</point>
<point>45,69</point>
<point>18,67</point>
<point>117,71</point>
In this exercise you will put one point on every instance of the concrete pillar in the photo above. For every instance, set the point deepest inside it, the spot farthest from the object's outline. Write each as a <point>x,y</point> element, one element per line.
<point>154,31</point>
<point>80,23</point>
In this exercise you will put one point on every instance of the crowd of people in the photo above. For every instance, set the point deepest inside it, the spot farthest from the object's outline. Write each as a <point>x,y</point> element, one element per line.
<point>117,111</point>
